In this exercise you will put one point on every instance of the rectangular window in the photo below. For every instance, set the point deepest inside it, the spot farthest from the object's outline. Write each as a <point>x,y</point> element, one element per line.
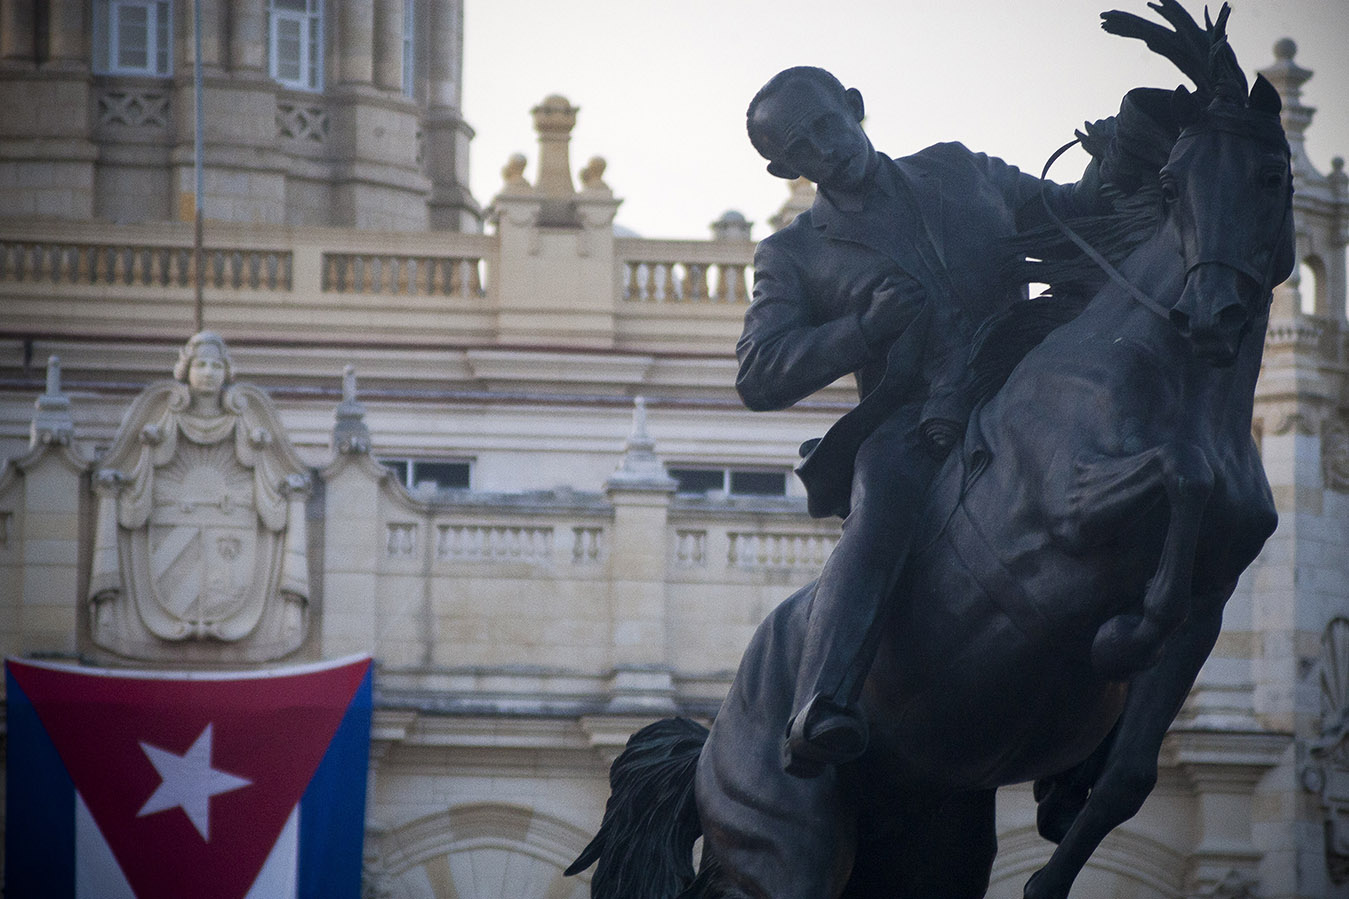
<point>430,474</point>
<point>132,37</point>
<point>295,45</point>
<point>410,48</point>
<point>733,481</point>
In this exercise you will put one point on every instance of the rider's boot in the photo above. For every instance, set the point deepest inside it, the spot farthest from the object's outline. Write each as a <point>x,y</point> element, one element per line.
<point>823,733</point>
<point>828,728</point>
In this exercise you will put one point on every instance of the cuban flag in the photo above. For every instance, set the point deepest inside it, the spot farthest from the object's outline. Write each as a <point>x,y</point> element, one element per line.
<point>151,784</point>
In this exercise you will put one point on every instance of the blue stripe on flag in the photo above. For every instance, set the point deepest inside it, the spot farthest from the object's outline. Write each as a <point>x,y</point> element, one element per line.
<point>39,808</point>
<point>332,810</point>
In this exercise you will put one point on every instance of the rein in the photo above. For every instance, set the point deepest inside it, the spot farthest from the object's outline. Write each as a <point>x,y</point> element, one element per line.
<point>1104,264</point>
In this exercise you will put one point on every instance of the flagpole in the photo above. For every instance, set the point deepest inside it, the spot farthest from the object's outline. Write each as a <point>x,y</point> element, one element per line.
<point>199,309</point>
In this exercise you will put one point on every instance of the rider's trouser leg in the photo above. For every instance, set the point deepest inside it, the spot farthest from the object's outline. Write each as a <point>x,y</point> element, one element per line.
<point>890,479</point>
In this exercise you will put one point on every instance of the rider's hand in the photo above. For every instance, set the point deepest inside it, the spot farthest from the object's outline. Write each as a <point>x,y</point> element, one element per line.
<point>895,303</point>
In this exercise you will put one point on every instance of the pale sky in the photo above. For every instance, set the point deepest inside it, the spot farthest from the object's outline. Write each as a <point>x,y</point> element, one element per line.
<point>662,85</point>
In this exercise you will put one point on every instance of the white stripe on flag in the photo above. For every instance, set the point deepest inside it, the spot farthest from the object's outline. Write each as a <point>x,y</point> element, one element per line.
<point>280,874</point>
<point>97,874</point>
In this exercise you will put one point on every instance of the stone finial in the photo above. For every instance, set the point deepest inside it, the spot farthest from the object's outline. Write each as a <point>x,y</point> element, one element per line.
<point>1288,77</point>
<point>350,434</point>
<point>553,120</point>
<point>801,194</point>
<point>513,175</point>
<point>731,226</point>
<point>1286,74</point>
<point>592,177</point>
<point>640,467</point>
<point>52,423</point>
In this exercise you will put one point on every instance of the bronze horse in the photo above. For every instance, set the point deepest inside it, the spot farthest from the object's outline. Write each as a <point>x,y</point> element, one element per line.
<point>1086,537</point>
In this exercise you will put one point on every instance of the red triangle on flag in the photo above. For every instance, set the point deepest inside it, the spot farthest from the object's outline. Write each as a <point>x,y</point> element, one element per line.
<point>270,729</point>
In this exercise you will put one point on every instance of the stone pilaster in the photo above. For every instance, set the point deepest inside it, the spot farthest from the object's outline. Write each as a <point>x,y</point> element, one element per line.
<point>640,491</point>
<point>248,37</point>
<point>356,32</point>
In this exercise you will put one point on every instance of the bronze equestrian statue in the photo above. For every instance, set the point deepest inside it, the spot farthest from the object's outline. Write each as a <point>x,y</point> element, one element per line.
<point>1062,576</point>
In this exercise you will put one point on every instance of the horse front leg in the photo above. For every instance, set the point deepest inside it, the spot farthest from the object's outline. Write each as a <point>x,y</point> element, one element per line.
<point>1108,495</point>
<point>1130,769</point>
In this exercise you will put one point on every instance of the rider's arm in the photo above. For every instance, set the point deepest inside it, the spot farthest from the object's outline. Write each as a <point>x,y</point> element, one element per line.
<point>784,355</point>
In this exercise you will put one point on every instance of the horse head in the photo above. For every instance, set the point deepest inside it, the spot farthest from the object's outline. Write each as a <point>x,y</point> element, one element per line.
<point>1227,185</point>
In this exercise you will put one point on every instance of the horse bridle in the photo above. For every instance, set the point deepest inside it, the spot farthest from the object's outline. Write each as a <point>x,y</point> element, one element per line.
<point>1264,280</point>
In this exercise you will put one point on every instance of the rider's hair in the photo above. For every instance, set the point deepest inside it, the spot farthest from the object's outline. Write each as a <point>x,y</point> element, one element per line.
<point>805,74</point>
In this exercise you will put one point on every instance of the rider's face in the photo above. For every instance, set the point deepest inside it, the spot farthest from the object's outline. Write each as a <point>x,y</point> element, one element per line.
<point>815,134</point>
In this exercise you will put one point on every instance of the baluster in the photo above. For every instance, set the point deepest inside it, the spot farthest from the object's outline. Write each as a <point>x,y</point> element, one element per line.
<point>475,278</point>
<point>412,269</point>
<point>695,282</point>
<point>440,278</point>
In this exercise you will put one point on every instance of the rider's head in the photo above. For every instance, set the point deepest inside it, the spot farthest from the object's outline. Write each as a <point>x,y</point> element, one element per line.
<point>805,123</point>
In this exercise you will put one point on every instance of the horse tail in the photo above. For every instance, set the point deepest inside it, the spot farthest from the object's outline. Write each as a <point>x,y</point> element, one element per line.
<point>644,846</point>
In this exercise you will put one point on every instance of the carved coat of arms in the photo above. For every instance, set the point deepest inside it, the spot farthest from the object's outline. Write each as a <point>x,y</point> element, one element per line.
<point>200,546</point>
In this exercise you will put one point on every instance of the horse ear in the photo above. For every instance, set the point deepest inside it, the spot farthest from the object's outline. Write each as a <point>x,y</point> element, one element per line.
<point>1184,106</point>
<point>1265,96</point>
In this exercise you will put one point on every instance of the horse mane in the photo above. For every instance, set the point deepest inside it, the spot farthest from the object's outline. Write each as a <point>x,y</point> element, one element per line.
<point>1045,255</point>
<point>1202,54</point>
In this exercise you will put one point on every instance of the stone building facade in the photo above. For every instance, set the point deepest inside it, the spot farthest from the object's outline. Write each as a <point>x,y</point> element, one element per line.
<point>315,112</point>
<point>512,468</point>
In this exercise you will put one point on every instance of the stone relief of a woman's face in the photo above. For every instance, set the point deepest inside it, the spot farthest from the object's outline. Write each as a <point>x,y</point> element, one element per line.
<point>206,373</point>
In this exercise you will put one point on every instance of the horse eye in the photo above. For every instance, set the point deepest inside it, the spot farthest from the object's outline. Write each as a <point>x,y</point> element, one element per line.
<point>1272,179</point>
<point>1169,192</point>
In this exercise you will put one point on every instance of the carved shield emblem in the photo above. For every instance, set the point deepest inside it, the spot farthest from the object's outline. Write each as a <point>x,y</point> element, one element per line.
<point>207,564</point>
<point>202,573</point>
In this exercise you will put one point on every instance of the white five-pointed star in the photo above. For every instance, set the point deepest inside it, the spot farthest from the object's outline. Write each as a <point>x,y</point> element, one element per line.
<point>188,782</point>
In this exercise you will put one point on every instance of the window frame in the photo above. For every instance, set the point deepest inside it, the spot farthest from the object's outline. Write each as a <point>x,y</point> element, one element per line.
<point>409,465</point>
<point>311,50</point>
<point>158,34</point>
<point>728,473</point>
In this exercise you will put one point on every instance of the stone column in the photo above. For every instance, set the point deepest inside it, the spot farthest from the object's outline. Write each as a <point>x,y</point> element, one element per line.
<point>68,34</point>
<point>212,34</point>
<point>248,37</point>
<point>389,45</point>
<point>16,30</point>
<point>444,60</point>
<point>356,38</point>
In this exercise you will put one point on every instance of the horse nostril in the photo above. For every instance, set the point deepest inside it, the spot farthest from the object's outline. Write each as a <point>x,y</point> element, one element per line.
<point>1181,321</point>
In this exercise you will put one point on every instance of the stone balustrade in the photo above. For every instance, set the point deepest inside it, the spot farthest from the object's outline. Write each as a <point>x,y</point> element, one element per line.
<point>540,579</point>
<point>684,272</point>
<point>263,282</point>
<point>142,265</point>
<point>394,275</point>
